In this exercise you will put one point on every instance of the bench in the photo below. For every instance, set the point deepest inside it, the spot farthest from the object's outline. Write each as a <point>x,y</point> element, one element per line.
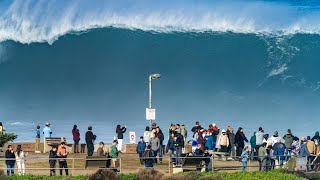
<point>100,162</point>
<point>220,154</point>
<point>52,141</point>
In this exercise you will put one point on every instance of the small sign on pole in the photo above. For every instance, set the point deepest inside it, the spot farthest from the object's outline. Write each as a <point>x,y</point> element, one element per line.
<point>132,137</point>
<point>150,114</point>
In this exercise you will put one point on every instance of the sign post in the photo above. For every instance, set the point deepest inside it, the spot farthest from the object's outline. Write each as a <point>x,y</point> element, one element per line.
<point>132,137</point>
<point>151,114</point>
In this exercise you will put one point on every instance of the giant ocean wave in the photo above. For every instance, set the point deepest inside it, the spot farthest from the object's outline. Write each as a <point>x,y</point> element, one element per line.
<point>45,21</point>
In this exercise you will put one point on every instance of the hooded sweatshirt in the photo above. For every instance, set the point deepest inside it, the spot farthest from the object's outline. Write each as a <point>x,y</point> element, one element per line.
<point>223,140</point>
<point>316,138</point>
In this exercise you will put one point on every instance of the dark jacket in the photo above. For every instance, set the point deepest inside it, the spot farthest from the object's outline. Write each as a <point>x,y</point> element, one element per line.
<point>52,154</point>
<point>141,146</point>
<point>179,142</point>
<point>253,141</point>
<point>232,139</point>
<point>170,145</point>
<point>10,156</point>
<point>76,134</point>
<point>240,138</point>
<point>89,137</point>
<point>161,137</point>
<point>120,132</point>
<point>288,140</point>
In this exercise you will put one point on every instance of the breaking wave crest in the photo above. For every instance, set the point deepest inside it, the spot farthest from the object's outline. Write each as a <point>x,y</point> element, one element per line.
<point>45,21</point>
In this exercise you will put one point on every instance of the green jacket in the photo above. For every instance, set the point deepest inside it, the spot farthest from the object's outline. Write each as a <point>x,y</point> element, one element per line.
<point>114,151</point>
<point>253,141</point>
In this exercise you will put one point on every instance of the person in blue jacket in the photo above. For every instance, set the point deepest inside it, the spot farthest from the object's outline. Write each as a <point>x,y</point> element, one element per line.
<point>170,146</point>
<point>141,147</point>
<point>245,156</point>
<point>210,143</point>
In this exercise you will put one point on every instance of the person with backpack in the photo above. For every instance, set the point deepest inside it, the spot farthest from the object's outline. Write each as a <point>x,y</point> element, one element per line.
<point>288,140</point>
<point>76,138</point>
<point>279,149</point>
<point>141,149</point>
<point>148,159</point>
<point>21,159</point>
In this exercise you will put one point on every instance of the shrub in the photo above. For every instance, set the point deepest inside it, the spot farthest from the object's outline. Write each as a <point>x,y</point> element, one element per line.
<point>147,174</point>
<point>130,176</point>
<point>2,175</point>
<point>103,174</point>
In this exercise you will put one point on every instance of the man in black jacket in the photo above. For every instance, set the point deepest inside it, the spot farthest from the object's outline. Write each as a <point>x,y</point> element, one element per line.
<point>240,138</point>
<point>179,144</point>
<point>89,141</point>
<point>10,161</point>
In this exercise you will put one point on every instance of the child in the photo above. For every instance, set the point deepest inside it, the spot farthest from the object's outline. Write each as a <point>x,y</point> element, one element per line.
<point>20,159</point>
<point>62,154</point>
<point>141,148</point>
<point>245,157</point>
<point>52,160</point>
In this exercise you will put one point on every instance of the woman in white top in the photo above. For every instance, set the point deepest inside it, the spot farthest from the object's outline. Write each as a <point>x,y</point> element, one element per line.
<point>21,159</point>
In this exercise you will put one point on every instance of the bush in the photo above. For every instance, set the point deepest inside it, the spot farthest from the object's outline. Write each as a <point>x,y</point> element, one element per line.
<point>103,174</point>
<point>6,137</point>
<point>130,176</point>
<point>2,175</point>
<point>147,174</point>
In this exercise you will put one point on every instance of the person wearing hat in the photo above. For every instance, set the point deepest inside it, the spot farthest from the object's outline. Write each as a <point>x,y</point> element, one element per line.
<point>76,138</point>
<point>223,141</point>
<point>47,132</point>
<point>89,141</point>
<point>114,152</point>
<point>274,137</point>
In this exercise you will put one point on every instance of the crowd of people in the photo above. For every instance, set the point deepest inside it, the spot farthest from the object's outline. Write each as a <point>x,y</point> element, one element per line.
<point>270,151</point>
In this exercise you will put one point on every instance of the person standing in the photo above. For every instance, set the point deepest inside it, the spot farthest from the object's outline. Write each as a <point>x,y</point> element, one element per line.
<point>245,157</point>
<point>253,140</point>
<point>37,145</point>
<point>146,135</point>
<point>148,160</point>
<point>20,159</point>
<point>141,148</point>
<point>223,141</point>
<point>196,128</point>
<point>53,160</point>
<point>279,149</point>
<point>240,139</point>
<point>170,147</point>
<point>89,141</point>
<point>114,152</point>
<point>120,130</point>
<point>259,138</point>
<point>274,137</point>
<point>263,155</point>
<point>160,135</point>
<point>178,143</point>
<point>47,132</point>
<point>184,133</point>
<point>62,154</point>
<point>232,142</point>
<point>2,129</point>
<point>10,160</point>
<point>76,138</point>
<point>288,140</point>
<point>155,145</point>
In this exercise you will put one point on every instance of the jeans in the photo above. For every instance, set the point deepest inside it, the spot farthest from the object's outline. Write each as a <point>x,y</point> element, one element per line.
<point>52,168</point>
<point>288,154</point>
<point>10,168</point>
<point>154,155</point>
<point>160,153</point>
<point>76,145</point>
<point>141,157</point>
<point>63,164</point>
<point>90,148</point>
<point>244,165</point>
<point>178,155</point>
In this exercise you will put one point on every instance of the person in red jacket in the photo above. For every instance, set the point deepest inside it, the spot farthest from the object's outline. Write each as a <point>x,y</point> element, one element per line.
<point>76,138</point>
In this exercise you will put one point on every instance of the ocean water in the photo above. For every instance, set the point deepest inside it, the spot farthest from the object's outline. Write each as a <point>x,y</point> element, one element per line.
<point>244,63</point>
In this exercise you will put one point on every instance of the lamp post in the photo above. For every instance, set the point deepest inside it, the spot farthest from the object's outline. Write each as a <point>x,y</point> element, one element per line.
<point>151,77</point>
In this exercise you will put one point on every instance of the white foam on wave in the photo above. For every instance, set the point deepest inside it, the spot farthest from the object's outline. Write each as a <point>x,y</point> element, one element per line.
<point>45,21</point>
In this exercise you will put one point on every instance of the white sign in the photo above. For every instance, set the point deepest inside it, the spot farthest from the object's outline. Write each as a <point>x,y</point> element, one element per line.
<point>150,114</point>
<point>132,137</point>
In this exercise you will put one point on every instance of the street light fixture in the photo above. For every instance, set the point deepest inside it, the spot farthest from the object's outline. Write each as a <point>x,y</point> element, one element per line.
<point>151,77</point>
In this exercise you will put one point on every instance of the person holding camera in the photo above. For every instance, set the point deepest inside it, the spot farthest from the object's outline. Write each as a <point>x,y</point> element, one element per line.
<point>90,138</point>
<point>120,131</point>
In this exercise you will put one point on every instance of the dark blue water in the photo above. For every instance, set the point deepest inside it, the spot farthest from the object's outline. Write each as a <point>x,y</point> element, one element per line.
<point>218,65</point>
